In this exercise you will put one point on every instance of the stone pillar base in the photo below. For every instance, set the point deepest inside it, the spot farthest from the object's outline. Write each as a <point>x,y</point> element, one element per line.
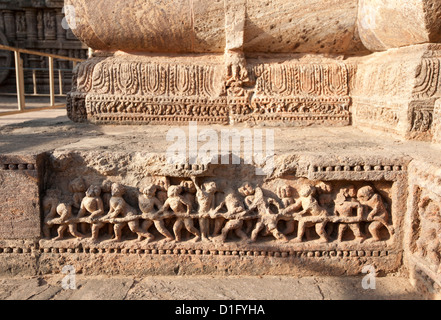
<point>133,89</point>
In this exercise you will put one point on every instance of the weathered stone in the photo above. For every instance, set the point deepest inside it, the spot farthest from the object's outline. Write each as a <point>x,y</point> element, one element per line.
<point>198,26</point>
<point>71,238</point>
<point>398,97</point>
<point>138,89</point>
<point>20,179</point>
<point>229,81</point>
<point>386,24</point>
<point>329,201</point>
<point>422,242</point>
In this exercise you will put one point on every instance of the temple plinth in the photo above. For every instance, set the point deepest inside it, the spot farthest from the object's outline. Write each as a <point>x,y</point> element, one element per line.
<point>343,94</point>
<point>230,62</point>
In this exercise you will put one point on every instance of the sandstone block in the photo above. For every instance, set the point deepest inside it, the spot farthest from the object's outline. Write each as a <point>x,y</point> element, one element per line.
<point>386,24</point>
<point>19,197</point>
<point>201,26</point>
<point>396,91</point>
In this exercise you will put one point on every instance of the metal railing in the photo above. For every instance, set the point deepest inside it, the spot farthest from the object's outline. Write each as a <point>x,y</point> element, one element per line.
<point>20,83</point>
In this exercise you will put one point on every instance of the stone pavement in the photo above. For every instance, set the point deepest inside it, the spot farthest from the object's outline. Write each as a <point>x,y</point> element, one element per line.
<point>206,288</point>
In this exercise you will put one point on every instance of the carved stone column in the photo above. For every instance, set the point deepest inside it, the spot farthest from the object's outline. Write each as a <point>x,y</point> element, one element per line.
<point>31,24</point>
<point>9,24</point>
<point>61,33</point>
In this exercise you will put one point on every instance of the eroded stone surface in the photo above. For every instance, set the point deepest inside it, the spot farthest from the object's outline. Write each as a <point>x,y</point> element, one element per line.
<point>398,97</point>
<point>385,24</point>
<point>20,220</point>
<point>309,70</point>
<point>199,26</point>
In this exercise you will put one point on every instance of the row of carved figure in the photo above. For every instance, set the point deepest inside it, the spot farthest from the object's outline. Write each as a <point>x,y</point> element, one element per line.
<point>246,212</point>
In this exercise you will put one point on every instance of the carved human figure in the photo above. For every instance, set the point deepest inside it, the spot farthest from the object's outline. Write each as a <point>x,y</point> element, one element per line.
<point>181,207</point>
<point>49,205</point>
<point>189,191</point>
<point>162,186</point>
<point>378,214</point>
<point>205,197</point>
<point>120,208</point>
<point>324,195</point>
<point>255,200</point>
<point>236,212</point>
<point>312,214</point>
<point>345,204</point>
<point>78,189</point>
<point>92,205</point>
<point>285,193</point>
<point>150,205</point>
<point>64,212</point>
<point>106,195</point>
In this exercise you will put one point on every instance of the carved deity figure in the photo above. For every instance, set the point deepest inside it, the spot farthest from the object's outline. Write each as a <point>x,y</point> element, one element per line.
<point>150,205</point>
<point>378,215</point>
<point>237,73</point>
<point>122,214</point>
<point>345,205</point>
<point>93,205</point>
<point>181,207</point>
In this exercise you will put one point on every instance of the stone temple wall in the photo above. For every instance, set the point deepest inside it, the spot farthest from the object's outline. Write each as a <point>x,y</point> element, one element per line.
<point>331,205</point>
<point>36,25</point>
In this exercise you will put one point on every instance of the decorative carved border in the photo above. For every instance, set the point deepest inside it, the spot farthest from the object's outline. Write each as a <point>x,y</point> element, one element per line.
<point>121,250</point>
<point>18,167</point>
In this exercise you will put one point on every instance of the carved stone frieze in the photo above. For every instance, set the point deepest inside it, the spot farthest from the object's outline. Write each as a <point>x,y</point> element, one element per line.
<point>137,90</point>
<point>320,212</point>
<point>317,211</point>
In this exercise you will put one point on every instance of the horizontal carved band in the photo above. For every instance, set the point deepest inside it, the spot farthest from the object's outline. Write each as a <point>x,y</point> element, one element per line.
<point>210,252</point>
<point>20,166</point>
<point>357,168</point>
